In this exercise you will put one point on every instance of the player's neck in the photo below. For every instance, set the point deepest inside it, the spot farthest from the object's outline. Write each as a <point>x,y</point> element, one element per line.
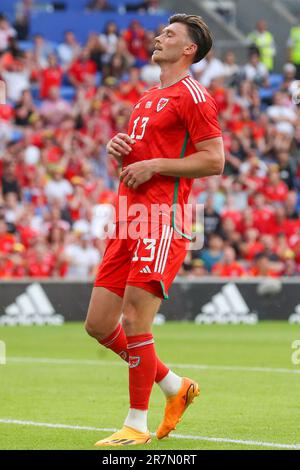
<point>171,75</point>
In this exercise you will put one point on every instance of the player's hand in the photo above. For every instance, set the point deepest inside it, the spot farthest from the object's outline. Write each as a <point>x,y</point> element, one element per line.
<point>137,173</point>
<point>119,146</point>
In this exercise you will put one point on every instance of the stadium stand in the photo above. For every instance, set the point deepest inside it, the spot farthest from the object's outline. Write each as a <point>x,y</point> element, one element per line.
<point>68,93</point>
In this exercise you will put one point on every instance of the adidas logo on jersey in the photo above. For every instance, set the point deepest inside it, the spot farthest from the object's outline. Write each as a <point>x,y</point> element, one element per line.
<point>228,306</point>
<point>161,104</point>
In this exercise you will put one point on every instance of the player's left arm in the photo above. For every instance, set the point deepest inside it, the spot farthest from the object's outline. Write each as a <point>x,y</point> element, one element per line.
<point>208,160</point>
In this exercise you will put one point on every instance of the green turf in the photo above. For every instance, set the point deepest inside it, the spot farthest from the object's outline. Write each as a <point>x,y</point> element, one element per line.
<point>246,405</point>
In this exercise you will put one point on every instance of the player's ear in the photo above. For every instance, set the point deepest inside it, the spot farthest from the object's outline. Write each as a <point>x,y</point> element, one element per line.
<point>190,49</point>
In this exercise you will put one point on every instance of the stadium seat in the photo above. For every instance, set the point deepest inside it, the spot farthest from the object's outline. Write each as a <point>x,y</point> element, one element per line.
<point>275,80</point>
<point>53,25</point>
<point>67,92</point>
<point>25,45</point>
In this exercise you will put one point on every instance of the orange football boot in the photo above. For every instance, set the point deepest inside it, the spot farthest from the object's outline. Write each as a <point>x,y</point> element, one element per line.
<point>126,436</point>
<point>176,406</point>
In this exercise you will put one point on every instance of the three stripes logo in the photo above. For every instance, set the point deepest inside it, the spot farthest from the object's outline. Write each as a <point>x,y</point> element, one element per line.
<point>31,308</point>
<point>195,90</point>
<point>146,270</point>
<point>228,306</point>
<point>163,249</point>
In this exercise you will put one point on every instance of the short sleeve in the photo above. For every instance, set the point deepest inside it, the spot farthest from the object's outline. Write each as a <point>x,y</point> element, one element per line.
<point>199,114</point>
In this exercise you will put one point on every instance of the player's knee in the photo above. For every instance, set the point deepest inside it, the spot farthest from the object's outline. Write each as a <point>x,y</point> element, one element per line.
<point>89,328</point>
<point>93,330</point>
<point>130,320</point>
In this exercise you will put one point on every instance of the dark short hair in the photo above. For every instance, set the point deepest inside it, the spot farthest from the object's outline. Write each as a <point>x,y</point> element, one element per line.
<point>198,32</point>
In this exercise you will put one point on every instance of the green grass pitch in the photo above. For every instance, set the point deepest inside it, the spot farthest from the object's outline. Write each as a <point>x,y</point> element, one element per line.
<point>250,389</point>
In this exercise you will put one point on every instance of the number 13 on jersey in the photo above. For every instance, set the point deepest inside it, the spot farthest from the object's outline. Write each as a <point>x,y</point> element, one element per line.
<point>138,130</point>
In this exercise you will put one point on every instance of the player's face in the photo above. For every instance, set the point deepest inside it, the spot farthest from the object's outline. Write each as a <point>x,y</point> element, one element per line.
<point>171,44</point>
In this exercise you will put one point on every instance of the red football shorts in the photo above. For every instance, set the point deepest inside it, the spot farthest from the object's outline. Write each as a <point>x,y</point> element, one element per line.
<point>150,260</point>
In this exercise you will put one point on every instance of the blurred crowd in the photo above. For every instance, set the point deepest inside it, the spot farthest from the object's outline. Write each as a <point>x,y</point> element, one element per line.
<point>57,185</point>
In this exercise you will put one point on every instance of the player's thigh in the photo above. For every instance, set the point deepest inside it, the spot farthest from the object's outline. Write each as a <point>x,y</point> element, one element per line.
<point>113,271</point>
<point>104,312</point>
<point>139,309</point>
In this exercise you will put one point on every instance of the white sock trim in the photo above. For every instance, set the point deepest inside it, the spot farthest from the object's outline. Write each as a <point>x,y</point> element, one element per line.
<point>137,419</point>
<point>171,384</point>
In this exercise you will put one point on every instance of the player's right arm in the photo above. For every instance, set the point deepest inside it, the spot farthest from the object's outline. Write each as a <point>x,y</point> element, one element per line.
<point>119,146</point>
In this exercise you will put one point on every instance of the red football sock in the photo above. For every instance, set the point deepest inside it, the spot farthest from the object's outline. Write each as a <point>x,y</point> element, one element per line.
<point>117,342</point>
<point>161,370</point>
<point>142,369</point>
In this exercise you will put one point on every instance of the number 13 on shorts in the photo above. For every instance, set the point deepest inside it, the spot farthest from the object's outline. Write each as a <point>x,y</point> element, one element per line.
<point>149,245</point>
<point>154,252</point>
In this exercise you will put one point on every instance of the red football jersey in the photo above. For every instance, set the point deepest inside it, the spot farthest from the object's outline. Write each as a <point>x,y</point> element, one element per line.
<point>167,123</point>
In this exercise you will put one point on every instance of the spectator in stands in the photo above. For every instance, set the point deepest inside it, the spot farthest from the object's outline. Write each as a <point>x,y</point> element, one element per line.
<point>55,109</point>
<point>22,26</point>
<point>231,70</point>
<point>212,220</point>
<point>51,76</point>
<point>264,41</point>
<point>9,181</point>
<point>197,269</point>
<point>109,41</point>
<point>281,109</point>
<point>214,253</point>
<point>7,240</point>
<point>17,79</point>
<point>251,244</point>
<point>99,5</point>
<point>68,50</point>
<point>208,69</point>
<point>291,269</point>
<point>275,189</point>
<point>137,44</point>
<point>228,266</point>
<point>255,70</point>
<point>289,77</point>
<point>82,68</point>
<point>131,89</point>
<point>150,74</point>
<point>58,187</point>
<point>286,168</point>
<point>149,6</point>
<point>24,109</point>
<point>96,50</point>
<point>40,260</point>
<point>81,257</point>
<point>6,32</point>
<point>291,205</point>
<point>294,47</point>
<point>262,266</point>
<point>41,50</point>
<point>12,210</point>
<point>120,62</point>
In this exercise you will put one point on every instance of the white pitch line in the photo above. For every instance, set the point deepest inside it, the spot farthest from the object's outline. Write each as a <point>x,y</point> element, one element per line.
<point>176,436</point>
<point>93,362</point>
